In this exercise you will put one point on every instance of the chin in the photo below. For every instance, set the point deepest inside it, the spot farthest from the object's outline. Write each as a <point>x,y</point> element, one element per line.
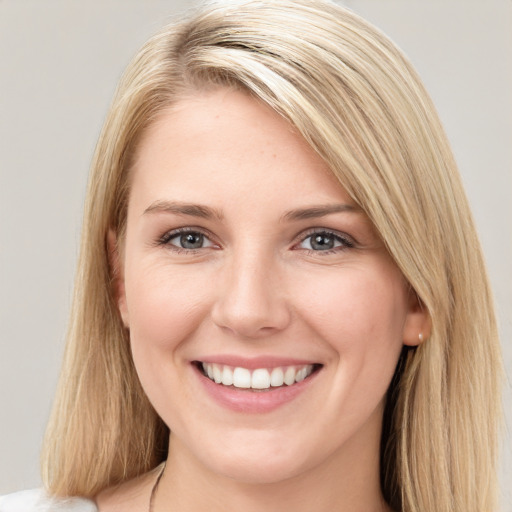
<point>258,472</point>
<point>259,463</point>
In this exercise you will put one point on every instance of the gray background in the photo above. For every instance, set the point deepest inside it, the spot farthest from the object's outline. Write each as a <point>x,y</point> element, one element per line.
<point>59,63</point>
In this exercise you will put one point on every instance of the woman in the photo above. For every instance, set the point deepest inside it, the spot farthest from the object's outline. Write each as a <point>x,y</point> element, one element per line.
<point>256,278</point>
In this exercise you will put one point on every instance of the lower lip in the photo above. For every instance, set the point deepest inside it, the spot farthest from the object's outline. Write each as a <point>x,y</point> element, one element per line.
<point>257,402</point>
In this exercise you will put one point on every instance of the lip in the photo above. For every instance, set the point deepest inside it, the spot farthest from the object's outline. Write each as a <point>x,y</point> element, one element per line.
<point>253,401</point>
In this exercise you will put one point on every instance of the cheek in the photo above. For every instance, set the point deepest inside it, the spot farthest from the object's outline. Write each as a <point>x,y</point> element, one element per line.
<point>355,304</point>
<point>360,314</point>
<point>164,308</point>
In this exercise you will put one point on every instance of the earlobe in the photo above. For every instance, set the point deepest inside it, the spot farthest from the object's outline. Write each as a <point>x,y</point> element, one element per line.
<point>116,271</point>
<point>417,325</point>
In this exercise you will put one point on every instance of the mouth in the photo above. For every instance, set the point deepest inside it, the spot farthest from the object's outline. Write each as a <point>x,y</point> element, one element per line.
<point>257,379</point>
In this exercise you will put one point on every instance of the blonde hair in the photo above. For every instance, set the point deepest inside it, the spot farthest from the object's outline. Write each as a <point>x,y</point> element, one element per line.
<point>357,101</point>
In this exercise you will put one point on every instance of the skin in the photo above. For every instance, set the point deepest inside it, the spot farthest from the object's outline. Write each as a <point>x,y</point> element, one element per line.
<point>256,286</point>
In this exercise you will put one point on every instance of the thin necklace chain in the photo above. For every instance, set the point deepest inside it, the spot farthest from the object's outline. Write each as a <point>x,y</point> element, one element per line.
<point>155,488</point>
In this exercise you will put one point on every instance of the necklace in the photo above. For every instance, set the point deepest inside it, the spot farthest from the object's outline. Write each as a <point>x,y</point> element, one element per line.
<point>155,487</point>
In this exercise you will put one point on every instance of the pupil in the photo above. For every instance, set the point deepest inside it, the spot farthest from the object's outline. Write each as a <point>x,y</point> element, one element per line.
<point>191,240</point>
<point>322,242</point>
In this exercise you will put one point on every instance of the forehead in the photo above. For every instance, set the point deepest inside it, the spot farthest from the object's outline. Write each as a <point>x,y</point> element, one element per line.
<point>222,141</point>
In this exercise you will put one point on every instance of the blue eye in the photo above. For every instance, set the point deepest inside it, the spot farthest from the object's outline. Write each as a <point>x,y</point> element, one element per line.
<point>187,240</point>
<point>324,241</point>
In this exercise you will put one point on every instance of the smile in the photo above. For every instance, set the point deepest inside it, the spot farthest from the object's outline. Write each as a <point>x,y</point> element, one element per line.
<point>258,378</point>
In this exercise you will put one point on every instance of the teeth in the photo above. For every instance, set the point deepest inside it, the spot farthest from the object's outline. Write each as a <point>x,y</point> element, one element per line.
<point>217,374</point>
<point>301,375</point>
<point>277,377</point>
<point>289,375</point>
<point>242,378</point>
<point>260,378</point>
<point>227,376</point>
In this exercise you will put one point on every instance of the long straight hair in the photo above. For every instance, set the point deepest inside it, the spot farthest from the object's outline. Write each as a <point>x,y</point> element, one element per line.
<point>356,100</point>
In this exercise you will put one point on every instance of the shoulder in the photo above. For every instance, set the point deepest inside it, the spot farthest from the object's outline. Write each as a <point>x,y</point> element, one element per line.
<point>36,500</point>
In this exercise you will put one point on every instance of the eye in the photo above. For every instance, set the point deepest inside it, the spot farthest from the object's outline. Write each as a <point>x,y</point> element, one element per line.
<point>325,241</point>
<point>186,239</point>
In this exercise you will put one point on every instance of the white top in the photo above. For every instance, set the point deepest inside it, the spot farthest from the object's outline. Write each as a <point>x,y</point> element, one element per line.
<point>36,500</point>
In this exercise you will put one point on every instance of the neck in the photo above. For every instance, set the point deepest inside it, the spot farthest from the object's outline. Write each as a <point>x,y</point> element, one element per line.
<point>347,481</point>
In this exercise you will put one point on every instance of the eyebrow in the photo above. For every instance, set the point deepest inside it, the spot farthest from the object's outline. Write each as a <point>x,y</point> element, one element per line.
<point>205,212</point>
<point>180,208</point>
<point>320,211</point>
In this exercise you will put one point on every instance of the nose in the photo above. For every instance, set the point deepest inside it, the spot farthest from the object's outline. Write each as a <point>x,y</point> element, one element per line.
<point>251,299</point>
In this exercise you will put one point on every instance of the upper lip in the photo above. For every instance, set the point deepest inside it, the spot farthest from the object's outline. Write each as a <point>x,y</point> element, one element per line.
<point>251,363</point>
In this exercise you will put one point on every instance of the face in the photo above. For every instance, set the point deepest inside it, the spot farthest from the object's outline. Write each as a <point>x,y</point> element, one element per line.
<point>245,260</point>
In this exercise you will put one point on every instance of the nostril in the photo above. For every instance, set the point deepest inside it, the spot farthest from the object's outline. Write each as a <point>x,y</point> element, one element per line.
<point>250,325</point>
<point>249,305</point>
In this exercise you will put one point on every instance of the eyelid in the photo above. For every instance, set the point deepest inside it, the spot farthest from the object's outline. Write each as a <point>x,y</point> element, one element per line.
<point>347,241</point>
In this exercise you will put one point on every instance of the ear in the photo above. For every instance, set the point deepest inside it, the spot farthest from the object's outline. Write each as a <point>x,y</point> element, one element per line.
<point>417,326</point>
<point>117,273</point>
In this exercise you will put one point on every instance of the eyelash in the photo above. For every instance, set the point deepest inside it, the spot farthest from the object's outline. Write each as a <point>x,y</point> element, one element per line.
<point>165,239</point>
<point>345,241</point>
